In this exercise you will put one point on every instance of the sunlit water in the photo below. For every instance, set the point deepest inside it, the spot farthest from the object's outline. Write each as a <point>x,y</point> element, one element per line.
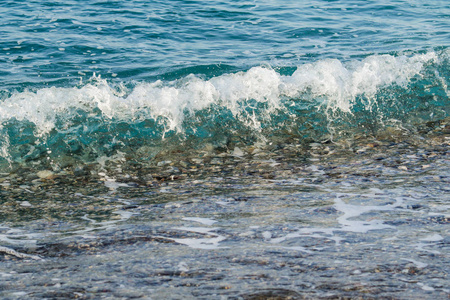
<point>209,150</point>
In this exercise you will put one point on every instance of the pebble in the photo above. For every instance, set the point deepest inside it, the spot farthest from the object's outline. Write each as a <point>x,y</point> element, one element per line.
<point>164,162</point>
<point>26,204</point>
<point>238,152</point>
<point>45,174</point>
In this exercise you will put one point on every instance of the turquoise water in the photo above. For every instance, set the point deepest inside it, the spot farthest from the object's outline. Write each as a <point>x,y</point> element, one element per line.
<point>100,77</point>
<point>224,149</point>
<point>57,42</point>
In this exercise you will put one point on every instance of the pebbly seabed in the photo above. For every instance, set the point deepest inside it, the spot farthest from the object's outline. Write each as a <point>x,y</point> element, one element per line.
<point>325,220</point>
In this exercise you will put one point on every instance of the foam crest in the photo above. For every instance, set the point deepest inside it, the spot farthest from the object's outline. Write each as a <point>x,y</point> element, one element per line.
<point>259,84</point>
<point>156,100</point>
<point>169,101</point>
<point>343,84</point>
<point>44,107</point>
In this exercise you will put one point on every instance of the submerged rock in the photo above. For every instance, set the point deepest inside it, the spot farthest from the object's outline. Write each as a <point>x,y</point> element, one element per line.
<point>46,174</point>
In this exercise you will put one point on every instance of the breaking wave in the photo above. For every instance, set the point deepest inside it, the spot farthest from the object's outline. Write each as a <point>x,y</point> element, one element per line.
<point>325,99</point>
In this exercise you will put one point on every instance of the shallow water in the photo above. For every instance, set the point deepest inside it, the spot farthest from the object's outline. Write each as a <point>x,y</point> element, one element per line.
<point>371,221</point>
<point>242,150</point>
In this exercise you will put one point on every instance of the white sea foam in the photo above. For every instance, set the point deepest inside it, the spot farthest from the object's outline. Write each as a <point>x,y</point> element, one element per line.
<point>418,264</point>
<point>342,84</point>
<point>209,242</point>
<point>346,221</point>
<point>204,221</point>
<point>433,238</point>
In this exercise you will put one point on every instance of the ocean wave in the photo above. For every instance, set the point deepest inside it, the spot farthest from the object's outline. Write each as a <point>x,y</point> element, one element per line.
<point>325,98</point>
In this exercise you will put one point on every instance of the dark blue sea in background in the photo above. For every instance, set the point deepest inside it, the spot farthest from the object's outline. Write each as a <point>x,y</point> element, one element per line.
<point>224,149</point>
<point>55,43</point>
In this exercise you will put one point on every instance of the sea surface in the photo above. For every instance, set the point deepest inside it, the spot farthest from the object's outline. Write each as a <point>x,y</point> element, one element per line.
<point>224,149</point>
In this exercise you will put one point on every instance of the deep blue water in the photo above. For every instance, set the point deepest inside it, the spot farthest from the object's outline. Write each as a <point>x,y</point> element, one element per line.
<point>77,76</point>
